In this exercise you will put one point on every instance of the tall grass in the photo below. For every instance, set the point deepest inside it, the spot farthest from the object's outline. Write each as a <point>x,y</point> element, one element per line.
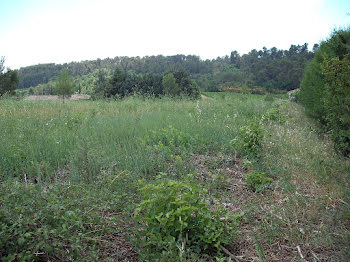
<point>97,151</point>
<point>43,139</point>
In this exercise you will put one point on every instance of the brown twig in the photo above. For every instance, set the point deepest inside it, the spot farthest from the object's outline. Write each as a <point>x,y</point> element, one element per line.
<point>235,258</point>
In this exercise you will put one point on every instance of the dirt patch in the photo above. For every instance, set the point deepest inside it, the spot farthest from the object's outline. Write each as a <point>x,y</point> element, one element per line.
<point>117,245</point>
<point>269,220</point>
<point>57,98</point>
<point>204,97</point>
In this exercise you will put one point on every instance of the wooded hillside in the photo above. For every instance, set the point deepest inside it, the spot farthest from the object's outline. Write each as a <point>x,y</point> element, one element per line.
<point>271,69</point>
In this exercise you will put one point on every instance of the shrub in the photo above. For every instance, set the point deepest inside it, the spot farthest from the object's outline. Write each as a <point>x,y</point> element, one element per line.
<point>175,213</point>
<point>336,73</point>
<point>258,182</point>
<point>324,90</point>
<point>249,141</point>
<point>273,114</point>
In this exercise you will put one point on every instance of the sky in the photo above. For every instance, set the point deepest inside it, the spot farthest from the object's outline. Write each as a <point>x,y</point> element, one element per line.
<point>50,31</point>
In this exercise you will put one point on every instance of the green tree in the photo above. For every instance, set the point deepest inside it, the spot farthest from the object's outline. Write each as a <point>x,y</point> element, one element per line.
<point>171,88</point>
<point>324,90</point>
<point>337,103</point>
<point>151,84</point>
<point>116,84</point>
<point>31,91</point>
<point>8,80</point>
<point>101,85</point>
<point>186,85</point>
<point>64,85</point>
<point>234,59</point>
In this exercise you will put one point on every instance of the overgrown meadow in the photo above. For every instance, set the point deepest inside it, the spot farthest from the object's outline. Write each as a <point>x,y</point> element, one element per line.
<point>229,177</point>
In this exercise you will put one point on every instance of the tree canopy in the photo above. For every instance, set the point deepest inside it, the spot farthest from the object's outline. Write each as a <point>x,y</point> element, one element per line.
<point>8,80</point>
<point>64,85</point>
<point>270,69</point>
<point>122,83</point>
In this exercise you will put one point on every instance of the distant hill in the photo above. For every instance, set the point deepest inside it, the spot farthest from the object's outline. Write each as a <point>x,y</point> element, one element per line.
<point>267,68</point>
<point>41,74</point>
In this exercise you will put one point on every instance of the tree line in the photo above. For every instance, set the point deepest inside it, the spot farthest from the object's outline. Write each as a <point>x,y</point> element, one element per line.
<point>270,69</point>
<point>123,83</point>
<point>117,84</point>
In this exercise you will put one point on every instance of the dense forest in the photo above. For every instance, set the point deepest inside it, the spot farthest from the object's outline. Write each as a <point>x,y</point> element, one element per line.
<point>267,69</point>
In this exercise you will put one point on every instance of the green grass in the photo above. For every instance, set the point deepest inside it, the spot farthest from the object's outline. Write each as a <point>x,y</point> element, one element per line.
<point>93,153</point>
<point>41,138</point>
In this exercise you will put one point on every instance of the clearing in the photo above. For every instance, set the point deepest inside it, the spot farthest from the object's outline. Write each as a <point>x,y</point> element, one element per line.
<point>70,177</point>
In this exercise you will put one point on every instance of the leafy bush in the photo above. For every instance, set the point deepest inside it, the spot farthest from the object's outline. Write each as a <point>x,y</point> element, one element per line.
<point>249,141</point>
<point>175,214</point>
<point>258,182</point>
<point>273,114</point>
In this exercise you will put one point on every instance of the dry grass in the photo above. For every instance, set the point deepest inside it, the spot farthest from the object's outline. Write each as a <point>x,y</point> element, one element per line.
<point>74,97</point>
<point>302,218</point>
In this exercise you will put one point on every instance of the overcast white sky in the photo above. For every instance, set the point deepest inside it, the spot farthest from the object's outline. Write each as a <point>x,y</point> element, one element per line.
<point>40,31</point>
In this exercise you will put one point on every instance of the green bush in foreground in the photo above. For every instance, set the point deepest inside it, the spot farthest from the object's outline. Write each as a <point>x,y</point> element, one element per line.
<point>249,141</point>
<point>176,219</point>
<point>258,182</point>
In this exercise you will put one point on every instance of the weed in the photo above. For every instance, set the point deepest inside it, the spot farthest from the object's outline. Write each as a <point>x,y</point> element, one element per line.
<point>261,253</point>
<point>268,98</point>
<point>246,164</point>
<point>169,140</point>
<point>217,181</point>
<point>47,225</point>
<point>219,161</point>
<point>273,114</point>
<point>259,181</point>
<point>174,214</point>
<point>249,141</point>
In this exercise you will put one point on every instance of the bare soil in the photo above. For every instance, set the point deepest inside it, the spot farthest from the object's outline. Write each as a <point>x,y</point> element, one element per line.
<point>205,97</point>
<point>74,97</point>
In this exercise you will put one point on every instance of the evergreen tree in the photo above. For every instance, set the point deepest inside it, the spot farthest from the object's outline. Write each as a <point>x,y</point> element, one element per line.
<point>116,84</point>
<point>64,85</point>
<point>8,80</point>
<point>171,88</point>
<point>325,88</point>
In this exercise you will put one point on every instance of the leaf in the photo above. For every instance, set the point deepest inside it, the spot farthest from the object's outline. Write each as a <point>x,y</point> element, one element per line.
<point>21,241</point>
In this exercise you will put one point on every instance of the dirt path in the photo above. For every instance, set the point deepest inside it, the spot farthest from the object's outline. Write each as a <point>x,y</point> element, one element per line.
<point>205,97</point>
<point>57,98</point>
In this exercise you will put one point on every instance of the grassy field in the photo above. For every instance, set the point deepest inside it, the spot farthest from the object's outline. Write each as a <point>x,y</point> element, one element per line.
<point>71,176</point>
